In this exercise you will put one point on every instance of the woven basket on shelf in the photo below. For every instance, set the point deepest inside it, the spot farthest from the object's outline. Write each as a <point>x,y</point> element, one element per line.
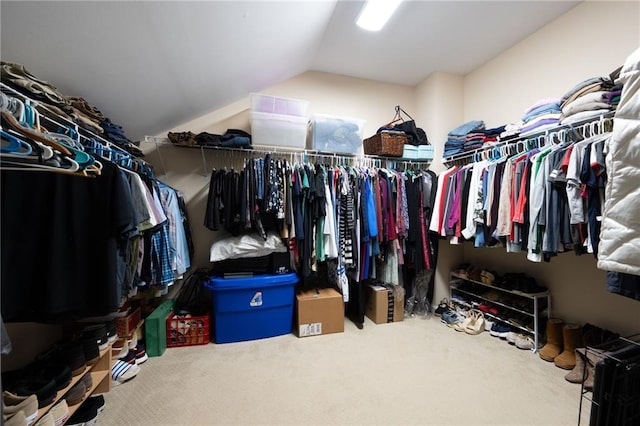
<point>386,144</point>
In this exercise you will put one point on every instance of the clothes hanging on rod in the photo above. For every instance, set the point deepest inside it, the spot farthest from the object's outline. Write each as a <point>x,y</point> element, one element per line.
<point>362,220</point>
<point>543,199</point>
<point>74,247</point>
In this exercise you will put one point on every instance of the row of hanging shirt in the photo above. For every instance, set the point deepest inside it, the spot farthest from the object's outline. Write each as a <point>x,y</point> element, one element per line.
<point>365,221</point>
<point>114,227</point>
<point>542,199</point>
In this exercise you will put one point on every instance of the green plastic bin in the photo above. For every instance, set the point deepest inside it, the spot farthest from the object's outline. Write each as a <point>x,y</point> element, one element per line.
<point>156,329</point>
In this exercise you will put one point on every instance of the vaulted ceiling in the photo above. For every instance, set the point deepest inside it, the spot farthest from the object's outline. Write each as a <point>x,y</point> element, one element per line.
<point>153,65</point>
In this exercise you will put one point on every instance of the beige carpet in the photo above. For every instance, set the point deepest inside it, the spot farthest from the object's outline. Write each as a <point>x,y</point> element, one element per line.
<point>413,372</point>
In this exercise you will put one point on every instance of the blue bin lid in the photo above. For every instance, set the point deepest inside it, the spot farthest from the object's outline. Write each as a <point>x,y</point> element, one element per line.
<point>219,283</point>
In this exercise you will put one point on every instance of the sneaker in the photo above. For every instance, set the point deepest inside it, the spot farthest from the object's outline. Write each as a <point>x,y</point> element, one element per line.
<point>442,307</point>
<point>141,353</point>
<point>97,401</point>
<point>71,354</point>
<point>14,404</point>
<point>99,333</point>
<point>86,415</point>
<point>511,337</point>
<point>60,412</point>
<point>112,331</point>
<point>449,317</point>
<point>76,394</point>
<point>120,349</point>
<point>130,358</point>
<point>45,390</point>
<point>122,372</point>
<point>46,420</point>
<point>525,342</point>
<point>488,324</point>
<point>499,330</point>
<point>17,419</point>
<point>91,350</point>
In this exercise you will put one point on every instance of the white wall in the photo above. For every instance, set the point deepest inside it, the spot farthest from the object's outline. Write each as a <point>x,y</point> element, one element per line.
<point>590,40</point>
<point>593,39</point>
<point>439,105</point>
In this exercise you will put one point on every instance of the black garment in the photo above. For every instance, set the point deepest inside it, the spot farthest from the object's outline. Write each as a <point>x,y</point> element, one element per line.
<point>60,237</point>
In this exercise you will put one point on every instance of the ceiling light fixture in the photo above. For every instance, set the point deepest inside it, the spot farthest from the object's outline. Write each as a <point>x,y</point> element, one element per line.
<point>376,13</point>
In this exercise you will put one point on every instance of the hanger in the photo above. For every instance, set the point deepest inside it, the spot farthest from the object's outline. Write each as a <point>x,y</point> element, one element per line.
<point>11,122</point>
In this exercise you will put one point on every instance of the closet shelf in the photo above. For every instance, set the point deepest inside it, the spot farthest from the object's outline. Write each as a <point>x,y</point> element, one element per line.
<point>293,153</point>
<point>492,301</point>
<point>100,378</point>
<point>494,287</point>
<point>487,152</point>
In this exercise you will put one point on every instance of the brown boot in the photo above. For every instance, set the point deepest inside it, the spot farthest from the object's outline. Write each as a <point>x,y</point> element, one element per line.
<point>591,358</point>
<point>553,348</point>
<point>572,339</point>
<point>580,372</point>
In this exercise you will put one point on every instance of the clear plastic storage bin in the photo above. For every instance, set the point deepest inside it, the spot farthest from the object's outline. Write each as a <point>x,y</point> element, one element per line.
<point>278,129</point>
<point>336,134</point>
<point>277,105</point>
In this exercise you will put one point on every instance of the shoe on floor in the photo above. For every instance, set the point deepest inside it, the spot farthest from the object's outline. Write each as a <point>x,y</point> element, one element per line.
<point>442,307</point>
<point>122,372</point>
<point>512,337</point>
<point>97,401</point>
<point>13,404</point>
<point>525,342</point>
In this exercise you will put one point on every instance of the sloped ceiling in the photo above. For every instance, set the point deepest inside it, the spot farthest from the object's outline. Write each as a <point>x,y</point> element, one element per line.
<point>153,65</point>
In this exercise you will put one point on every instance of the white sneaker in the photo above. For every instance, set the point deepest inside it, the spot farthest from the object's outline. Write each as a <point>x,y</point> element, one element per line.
<point>525,342</point>
<point>511,337</point>
<point>487,324</point>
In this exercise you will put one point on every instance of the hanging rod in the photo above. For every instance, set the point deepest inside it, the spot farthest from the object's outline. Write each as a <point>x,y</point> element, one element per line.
<point>291,152</point>
<point>546,133</point>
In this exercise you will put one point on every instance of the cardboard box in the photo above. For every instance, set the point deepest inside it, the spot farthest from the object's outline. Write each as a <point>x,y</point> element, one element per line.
<point>383,305</point>
<point>319,311</point>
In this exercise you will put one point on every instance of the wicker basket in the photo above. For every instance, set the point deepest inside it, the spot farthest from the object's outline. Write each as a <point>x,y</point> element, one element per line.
<point>386,144</point>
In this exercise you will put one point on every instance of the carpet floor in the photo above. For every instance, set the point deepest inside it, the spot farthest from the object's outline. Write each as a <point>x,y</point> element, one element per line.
<point>417,372</point>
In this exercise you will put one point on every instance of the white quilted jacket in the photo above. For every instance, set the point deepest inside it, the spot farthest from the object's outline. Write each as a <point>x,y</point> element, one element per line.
<point>619,248</point>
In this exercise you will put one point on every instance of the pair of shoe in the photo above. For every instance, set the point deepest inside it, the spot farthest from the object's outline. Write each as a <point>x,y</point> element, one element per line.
<point>56,416</point>
<point>450,318</point>
<point>521,340</point>
<point>88,412</point>
<point>43,379</point>
<point>442,307</point>
<point>77,393</point>
<point>500,330</point>
<point>24,407</point>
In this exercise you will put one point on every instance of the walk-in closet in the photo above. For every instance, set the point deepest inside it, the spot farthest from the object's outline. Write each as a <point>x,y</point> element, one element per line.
<point>320,212</point>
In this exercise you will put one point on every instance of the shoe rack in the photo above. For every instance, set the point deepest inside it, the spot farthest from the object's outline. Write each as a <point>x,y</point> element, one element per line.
<point>614,398</point>
<point>475,290</point>
<point>100,378</point>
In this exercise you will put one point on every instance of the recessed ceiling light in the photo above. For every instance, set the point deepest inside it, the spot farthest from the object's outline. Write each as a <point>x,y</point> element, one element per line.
<point>376,13</point>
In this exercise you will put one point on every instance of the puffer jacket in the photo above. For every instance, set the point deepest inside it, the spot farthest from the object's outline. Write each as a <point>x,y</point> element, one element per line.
<point>619,248</point>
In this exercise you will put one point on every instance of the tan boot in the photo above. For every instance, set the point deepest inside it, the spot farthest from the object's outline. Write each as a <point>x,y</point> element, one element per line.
<point>572,339</point>
<point>553,348</point>
<point>580,372</point>
<point>591,358</point>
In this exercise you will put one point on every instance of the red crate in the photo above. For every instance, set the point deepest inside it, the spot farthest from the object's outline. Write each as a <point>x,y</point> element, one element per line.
<point>128,324</point>
<point>187,330</point>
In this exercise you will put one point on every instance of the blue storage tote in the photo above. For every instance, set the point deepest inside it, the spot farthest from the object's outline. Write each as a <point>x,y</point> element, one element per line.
<point>252,308</point>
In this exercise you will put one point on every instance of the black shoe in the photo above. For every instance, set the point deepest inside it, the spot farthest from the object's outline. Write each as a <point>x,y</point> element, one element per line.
<point>59,372</point>
<point>71,354</point>
<point>91,350</point>
<point>98,401</point>
<point>86,414</point>
<point>44,390</point>
<point>99,333</point>
<point>112,330</point>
